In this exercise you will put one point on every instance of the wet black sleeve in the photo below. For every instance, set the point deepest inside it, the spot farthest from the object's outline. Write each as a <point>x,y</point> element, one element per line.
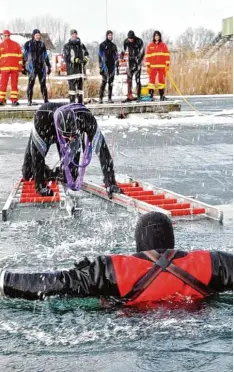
<point>101,149</point>
<point>87,279</point>
<point>222,271</point>
<point>43,122</point>
<point>25,53</point>
<point>141,51</point>
<point>86,53</point>
<point>101,56</point>
<point>47,61</point>
<point>67,54</point>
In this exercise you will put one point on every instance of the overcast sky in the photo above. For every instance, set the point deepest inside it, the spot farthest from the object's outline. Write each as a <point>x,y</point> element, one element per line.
<point>89,16</point>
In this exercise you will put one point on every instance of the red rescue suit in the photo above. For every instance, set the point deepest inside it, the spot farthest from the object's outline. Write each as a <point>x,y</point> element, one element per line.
<point>157,60</point>
<point>10,66</point>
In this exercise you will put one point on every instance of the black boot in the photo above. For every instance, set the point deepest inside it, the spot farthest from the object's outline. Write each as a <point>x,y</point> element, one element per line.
<point>101,93</point>
<point>80,98</point>
<point>2,103</point>
<point>162,97</point>
<point>72,98</point>
<point>15,103</point>
<point>110,94</point>
<point>151,94</point>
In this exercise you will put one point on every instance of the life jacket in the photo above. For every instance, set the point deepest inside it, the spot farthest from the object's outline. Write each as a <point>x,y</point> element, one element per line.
<point>157,55</point>
<point>129,270</point>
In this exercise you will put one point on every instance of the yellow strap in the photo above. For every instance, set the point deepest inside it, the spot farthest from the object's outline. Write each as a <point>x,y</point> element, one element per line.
<point>9,68</point>
<point>14,91</point>
<point>178,91</point>
<point>11,55</point>
<point>157,54</point>
<point>157,65</point>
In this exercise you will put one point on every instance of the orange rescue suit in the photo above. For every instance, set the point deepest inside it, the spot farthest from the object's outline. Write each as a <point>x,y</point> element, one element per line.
<point>166,286</point>
<point>157,60</point>
<point>10,65</point>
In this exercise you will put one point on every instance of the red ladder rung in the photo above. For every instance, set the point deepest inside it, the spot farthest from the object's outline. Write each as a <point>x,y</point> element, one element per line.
<point>186,212</point>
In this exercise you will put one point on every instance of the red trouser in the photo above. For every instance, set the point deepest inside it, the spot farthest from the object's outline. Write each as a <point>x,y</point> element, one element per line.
<point>159,73</point>
<point>14,85</point>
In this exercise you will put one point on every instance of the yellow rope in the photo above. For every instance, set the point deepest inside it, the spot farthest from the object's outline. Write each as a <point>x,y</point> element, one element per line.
<point>178,91</point>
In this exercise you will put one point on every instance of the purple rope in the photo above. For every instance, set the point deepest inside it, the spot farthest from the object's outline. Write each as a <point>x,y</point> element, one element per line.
<point>66,154</point>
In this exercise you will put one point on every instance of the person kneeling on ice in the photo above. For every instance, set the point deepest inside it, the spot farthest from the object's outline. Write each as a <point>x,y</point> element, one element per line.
<point>153,274</point>
<point>66,126</point>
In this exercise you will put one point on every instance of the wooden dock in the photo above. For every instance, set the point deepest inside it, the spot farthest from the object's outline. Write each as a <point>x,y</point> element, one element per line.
<point>114,109</point>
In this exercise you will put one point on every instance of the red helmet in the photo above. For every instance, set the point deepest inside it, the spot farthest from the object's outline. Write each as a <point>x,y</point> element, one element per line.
<point>6,32</point>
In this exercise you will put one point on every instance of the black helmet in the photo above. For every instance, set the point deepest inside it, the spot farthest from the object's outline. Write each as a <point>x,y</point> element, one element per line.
<point>131,34</point>
<point>157,33</point>
<point>154,230</point>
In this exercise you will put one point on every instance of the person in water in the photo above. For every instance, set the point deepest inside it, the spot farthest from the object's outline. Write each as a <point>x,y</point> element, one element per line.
<point>66,125</point>
<point>156,272</point>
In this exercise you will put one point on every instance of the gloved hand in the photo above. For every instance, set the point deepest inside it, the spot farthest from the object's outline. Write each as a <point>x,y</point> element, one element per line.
<point>167,68</point>
<point>148,70</point>
<point>113,189</point>
<point>24,71</point>
<point>45,191</point>
<point>86,60</point>
<point>76,60</point>
<point>48,70</point>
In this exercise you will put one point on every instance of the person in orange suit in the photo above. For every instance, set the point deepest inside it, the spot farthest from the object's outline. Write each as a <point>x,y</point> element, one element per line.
<point>10,66</point>
<point>157,60</point>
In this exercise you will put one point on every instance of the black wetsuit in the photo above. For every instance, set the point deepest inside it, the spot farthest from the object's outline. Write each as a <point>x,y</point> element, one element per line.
<point>108,57</point>
<point>36,55</point>
<point>135,58</point>
<point>75,56</point>
<point>34,161</point>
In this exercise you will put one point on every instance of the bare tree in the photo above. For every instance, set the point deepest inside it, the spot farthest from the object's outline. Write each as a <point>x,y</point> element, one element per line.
<point>118,39</point>
<point>147,35</point>
<point>18,25</point>
<point>193,39</point>
<point>55,27</point>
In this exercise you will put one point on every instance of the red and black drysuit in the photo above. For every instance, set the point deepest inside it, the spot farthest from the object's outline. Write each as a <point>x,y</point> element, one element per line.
<point>124,278</point>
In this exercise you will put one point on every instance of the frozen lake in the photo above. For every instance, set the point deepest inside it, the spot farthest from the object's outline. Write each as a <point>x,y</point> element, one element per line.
<point>183,152</point>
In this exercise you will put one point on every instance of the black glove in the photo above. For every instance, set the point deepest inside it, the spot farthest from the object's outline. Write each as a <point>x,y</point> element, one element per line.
<point>24,71</point>
<point>113,189</point>
<point>85,61</point>
<point>46,191</point>
<point>48,70</point>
